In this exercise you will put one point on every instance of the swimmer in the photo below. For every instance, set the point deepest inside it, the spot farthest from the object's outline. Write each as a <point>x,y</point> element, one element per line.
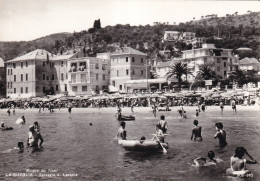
<point>197,113</point>
<point>180,110</point>
<point>33,138</point>
<point>121,131</point>
<point>234,107</point>
<point>203,106</point>
<point>221,134</point>
<point>69,108</point>
<point>212,160</point>
<point>20,146</point>
<point>184,115</point>
<point>238,164</point>
<point>196,131</point>
<point>3,127</point>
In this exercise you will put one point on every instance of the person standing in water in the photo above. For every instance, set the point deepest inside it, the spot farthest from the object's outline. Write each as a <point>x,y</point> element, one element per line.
<point>234,107</point>
<point>69,108</point>
<point>196,132</point>
<point>163,124</point>
<point>33,138</point>
<point>221,134</point>
<point>23,118</point>
<point>121,133</point>
<point>221,107</point>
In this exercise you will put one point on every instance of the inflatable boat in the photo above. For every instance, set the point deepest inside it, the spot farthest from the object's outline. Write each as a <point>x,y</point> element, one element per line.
<point>126,118</point>
<point>142,145</point>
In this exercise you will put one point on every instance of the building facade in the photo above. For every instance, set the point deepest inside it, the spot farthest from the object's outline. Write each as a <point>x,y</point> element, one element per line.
<point>249,64</point>
<point>88,75</point>
<point>2,79</point>
<point>219,60</point>
<point>127,64</point>
<point>30,75</point>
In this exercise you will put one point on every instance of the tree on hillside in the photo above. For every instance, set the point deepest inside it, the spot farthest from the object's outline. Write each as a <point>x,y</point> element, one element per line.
<point>239,76</point>
<point>177,70</point>
<point>97,24</point>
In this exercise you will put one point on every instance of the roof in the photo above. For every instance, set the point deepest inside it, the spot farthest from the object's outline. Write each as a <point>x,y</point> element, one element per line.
<point>38,54</point>
<point>127,50</point>
<point>68,56</point>
<point>247,60</point>
<point>1,62</point>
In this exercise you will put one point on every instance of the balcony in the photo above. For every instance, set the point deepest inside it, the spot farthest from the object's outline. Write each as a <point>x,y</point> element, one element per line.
<point>87,81</point>
<point>76,70</point>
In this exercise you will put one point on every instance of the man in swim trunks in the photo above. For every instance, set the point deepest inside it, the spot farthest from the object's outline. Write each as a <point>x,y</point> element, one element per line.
<point>163,124</point>
<point>196,132</point>
<point>69,107</point>
<point>221,134</point>
<point>238,164</point>
<point>234,107</point>
<point>121,131</point>
<point>221,107</point>
<point>33,138</point>
<point>203,106</point>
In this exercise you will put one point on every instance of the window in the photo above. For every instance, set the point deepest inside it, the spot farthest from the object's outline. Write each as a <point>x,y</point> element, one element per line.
<point>21,64</point>
<point>61,76</point>
<point>133,59</point>
<point>84,88</point>
<point>14,78</point>
<point>65,86</point>
<point>142,72</point>
<point>21,90</point>
<point>103,67</point>
<point>62,63</point>
<point>74,89</point>
<point>43,64</point>
<point>8,85</point>
<point>57,87</point>
<point>14,65</point>
<point>47,78</point>
<point>8,71</point>
<point>66,76</point>
<point>117,73</point>
<point>43,89</point>
<point>127,71</point>
<point>126,59</point>
<point>11,84</point>
<point>43,77</point>
<point>142,60</point>
<point>133,72</point>
<point>14,90</point>
<point>21,77</point>
<point>96,76</point>
<point>11,71</point>
<point>104,77</point>
<point>120,87</point>
<point>225,64</point>
<point>26,90</point>
<point>96,66</point>
<point>52,76</point>
<point>26,77</point>
<point>26,64</point>
<point>225,73</point>
<point>97,88</point>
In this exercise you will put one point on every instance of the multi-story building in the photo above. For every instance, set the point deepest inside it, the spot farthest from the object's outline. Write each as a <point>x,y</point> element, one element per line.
<point>219,60</point>
<point>127,64</point>
<point>62,70</point>
<point>188,36</point>
<point>2,78</point>
<point>31,75</point>
<point>249,64</point>
<point>171,35</point>
<point>88,75</point>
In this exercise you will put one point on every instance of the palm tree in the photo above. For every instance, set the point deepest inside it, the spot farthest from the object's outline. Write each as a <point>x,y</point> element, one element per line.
<point>205,73</point>
<point>177,70</point>
<point>239,75</point>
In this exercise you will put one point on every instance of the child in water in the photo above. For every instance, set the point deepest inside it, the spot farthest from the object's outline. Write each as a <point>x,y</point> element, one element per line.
<point>212,160</point>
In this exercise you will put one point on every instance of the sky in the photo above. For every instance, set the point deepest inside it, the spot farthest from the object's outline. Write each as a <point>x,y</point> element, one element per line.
<point>30,19</point>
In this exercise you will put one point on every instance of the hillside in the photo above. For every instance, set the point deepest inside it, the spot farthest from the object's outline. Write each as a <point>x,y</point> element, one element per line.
<point>232,32</point>
<point>251,19</point>
<point>10,50</point>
